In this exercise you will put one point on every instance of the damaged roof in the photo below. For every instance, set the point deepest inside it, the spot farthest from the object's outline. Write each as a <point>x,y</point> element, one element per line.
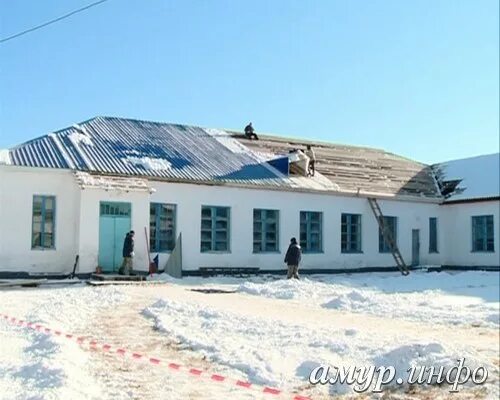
<point>129,147</point>
<point>476,178</point>
<point>355,168</point>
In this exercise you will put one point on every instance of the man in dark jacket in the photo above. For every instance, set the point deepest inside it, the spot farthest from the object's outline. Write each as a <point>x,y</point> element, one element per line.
<point>250,132</point>
<point>128,253</point>
<point>292,259</point>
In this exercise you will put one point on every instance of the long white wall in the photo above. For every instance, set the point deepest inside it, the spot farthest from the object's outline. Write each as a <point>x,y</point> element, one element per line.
<point>190,198</point>
<point>458,238</point>
<point>77,225</point>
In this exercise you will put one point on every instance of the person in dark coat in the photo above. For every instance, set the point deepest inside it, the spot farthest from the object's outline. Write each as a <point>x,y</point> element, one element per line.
<point>293,258</point>
<point>128,253</point>
<point>250,132</point>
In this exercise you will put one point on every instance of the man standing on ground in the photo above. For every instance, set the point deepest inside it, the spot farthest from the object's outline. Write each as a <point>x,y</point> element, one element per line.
<point>250,132</point>
<point>292,259</point>
<point>128,253</point>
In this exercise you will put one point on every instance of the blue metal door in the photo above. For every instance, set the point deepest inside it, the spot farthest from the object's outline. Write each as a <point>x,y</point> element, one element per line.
<point>114,223</point>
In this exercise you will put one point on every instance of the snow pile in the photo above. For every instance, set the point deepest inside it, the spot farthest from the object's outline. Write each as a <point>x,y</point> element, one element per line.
<point>77,138</point>
<point>148,163</point>
<point>272,352</point>
<point>5,157</point>
<point>465,298</point>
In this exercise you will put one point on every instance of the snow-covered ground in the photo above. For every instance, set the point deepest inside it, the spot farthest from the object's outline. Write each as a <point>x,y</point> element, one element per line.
<point>265,330</point>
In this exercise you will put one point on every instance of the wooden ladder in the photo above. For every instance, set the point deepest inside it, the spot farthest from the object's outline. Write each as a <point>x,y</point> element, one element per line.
<point>387,234</point>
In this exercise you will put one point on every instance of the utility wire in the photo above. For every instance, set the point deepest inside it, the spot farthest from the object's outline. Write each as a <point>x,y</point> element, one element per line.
<point>52,21</point>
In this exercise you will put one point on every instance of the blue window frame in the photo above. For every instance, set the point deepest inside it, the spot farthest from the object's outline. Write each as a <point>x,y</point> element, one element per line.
<point>265,230</point>
<point>311,231</point>
<point>215,229</point>
<point>43,223</point>
<point>433,242</point>
<point>350,239</point>
<point>483,233</point>
<point>162,227</point>
<point>391,224</point>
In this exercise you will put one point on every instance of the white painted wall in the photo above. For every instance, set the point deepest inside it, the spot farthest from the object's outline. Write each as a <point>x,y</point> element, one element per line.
<point>189,199</point>
<point>17,187</point>
<point>77,225</point>
<point>458,238</point>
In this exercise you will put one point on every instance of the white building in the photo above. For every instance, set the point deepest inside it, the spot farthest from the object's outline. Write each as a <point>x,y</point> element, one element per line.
<point>79,190</point>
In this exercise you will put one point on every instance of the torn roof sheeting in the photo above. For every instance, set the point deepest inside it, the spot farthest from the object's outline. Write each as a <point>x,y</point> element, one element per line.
<point>142,148</point>
<point>479,177</point>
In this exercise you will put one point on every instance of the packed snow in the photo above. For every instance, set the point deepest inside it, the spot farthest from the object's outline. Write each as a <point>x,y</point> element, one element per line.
<point>465,298</point>
<point>263,329</point>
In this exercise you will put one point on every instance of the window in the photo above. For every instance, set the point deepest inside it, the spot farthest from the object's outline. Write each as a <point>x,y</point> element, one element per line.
<point>162,227</point>
<point>43,227</point>
<point>214,229</point>
<point>311,226</point>
<point>433,246</point>
<point>265,230</point>
<point>391,224</point>
<point>482,233</point>
<point>350,241</point>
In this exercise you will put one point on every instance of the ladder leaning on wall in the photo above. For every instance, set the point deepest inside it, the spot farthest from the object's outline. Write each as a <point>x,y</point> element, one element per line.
<point>387,234</point>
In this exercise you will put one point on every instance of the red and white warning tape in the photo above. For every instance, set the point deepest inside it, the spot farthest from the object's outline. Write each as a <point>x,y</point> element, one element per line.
<point>193,372</point>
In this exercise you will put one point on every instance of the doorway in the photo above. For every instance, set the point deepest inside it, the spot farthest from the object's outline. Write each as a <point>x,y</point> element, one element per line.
<point>415,247</point>
<point>114,223</point>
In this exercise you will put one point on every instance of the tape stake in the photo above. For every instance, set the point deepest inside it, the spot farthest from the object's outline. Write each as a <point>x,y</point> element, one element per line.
<point>58,333</point>
<point>153,360</point>
<point>106,347</point>
<point>80,339</point>
<point>271,390</point>
<point>243,384</point>
<point>194,371</point>
<point>299,397</point>
<point>121,351</point>
<point>174,366</point>
<point>137,355</point>
<point>218,378</point>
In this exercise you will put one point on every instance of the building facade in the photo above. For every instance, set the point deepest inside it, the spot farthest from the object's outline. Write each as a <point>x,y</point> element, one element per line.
<point>59,200</point>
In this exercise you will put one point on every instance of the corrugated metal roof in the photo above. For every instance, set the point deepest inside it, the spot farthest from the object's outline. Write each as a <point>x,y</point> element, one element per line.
<point>143,148</point>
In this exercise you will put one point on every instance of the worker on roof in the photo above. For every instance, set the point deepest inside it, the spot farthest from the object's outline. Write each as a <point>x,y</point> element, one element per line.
<point>312,160</point>
<point>250,132</point>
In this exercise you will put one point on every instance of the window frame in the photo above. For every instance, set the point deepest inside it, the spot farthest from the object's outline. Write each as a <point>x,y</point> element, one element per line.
<point>158,206</point>
<point>263,230</point>
<point>433,244</point>
<point>44,197</point>
<point>382,248</point>
<point>485,238</point>
<point>306,248</point>
<point>348,233</point>
<point>213,229</point>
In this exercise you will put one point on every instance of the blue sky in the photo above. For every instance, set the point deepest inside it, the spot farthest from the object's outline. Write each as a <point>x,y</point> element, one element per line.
<point>419,78</point>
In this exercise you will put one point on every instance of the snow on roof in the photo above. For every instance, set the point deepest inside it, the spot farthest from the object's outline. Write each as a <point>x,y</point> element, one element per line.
<point>480,176</point>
